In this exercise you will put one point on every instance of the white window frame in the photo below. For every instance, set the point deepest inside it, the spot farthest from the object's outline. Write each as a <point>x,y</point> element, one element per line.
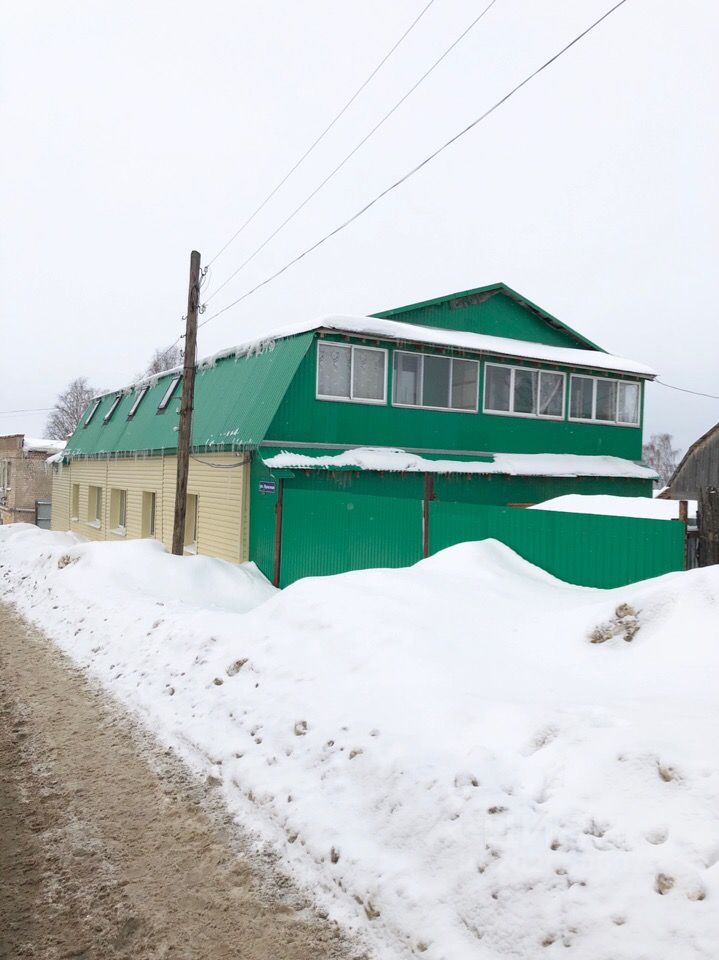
<point>526,416</point>
<point>137,401</point>
<point>351,399</point>
<point>593,419</point>
<point>422,406</point>
<point>169,393</point>
<point>113,407</point>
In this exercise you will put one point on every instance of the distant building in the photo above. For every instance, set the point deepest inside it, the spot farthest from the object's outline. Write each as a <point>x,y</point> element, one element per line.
<point>25,476</point>
<point>698,470</point>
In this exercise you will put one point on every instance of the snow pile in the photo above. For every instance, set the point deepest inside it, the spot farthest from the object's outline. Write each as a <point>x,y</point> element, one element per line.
<point>466,758</point>
<point>511,464</point>
<point>39,445</point>
<point>646,507</point>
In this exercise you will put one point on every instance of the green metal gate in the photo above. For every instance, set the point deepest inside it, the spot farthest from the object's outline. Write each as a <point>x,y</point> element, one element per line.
<point>332,531</point>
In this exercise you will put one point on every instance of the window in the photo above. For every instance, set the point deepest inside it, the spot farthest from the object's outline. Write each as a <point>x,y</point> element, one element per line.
<point>137,401</point>
<point>168,393</point>
<point>435,382</point>
<point>113,408</point>
<point>118,511</point>
<point>148,513</point>
<point>75,503</point>
<point>191,524</point>
<point>94,506</point>
<point>604,401</point>
<point>5,474</point>
<point>523,392</point>
<point>93,411</point>
<point>346,372</point>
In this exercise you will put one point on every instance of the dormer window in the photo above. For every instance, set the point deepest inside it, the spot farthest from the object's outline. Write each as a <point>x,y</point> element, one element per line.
<point>113,408</point>
<point>137,401</point>
<point>92,412</point>
<point>168,394</point>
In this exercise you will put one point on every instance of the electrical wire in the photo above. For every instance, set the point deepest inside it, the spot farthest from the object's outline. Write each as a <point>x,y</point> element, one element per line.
<point>354,150</point>
<point>417,168</point>
<point>7,413</point>
<point>324,133</point>
<point>696,393</point>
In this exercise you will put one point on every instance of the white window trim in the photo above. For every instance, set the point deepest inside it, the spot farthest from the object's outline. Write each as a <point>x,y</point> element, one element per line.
<point>351,399</point>
<point>168,394</point>
<point>526,416</point>
<point>422,406</point>
<point>137,401</point>
<point>594,419</point>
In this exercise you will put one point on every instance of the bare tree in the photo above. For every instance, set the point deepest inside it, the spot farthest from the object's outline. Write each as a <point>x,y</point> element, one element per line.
<point>69,407</point>
<point>164,360</point>
<point>659,453</point>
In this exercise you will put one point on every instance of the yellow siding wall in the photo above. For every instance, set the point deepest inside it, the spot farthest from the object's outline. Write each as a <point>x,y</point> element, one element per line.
<point>219,481</point>
<point>61,487</point>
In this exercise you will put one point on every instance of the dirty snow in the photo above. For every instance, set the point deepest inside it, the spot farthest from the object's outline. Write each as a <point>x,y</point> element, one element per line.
<point>512,464</point>
<point>441,751</point>
<point>646,507</point>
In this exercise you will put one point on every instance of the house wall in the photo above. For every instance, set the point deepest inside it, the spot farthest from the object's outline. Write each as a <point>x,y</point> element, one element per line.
<point>302,418</point>
<point>219,482</point>
<point>30,480</point>
<point>699,469</point>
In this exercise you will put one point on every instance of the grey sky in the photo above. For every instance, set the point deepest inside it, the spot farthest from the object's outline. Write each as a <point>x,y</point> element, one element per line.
<point>137,131</point>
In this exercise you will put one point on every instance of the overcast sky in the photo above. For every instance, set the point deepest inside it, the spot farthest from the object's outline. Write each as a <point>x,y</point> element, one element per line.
<point>134,132</point>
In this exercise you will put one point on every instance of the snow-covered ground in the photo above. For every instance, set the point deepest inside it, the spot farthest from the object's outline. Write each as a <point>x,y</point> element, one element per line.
<point>440,751</point>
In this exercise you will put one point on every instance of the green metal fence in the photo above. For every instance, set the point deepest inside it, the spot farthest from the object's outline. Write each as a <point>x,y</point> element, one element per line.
<point>332,524</point>
<point>594,551</point>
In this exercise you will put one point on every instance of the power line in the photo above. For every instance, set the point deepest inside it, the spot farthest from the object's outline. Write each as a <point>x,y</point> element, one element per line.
<point>696,393</point>
<point>322,135</point>
<point>354,150</point>
<point>7,413</point>
<point>417,168</point>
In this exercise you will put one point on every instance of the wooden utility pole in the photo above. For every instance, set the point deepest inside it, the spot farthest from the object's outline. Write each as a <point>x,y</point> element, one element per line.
<point>188,391</point>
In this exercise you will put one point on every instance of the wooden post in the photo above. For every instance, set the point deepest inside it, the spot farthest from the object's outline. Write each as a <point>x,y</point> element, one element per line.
<point>188,390</point>
<point>278,533</point>
<point>708,526</point>
<point>428,496</point>
<point>684,510</point>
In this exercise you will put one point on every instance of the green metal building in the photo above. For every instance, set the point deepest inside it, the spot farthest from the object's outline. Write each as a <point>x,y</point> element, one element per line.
<point>374,441</point>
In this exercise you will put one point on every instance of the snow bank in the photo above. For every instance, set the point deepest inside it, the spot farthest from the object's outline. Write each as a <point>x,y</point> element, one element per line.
<point>440,750</point>
<point>647,507</point>
<point>511,464</point>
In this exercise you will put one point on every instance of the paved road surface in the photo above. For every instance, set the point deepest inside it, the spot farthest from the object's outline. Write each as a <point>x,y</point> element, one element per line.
<point>108,849</point>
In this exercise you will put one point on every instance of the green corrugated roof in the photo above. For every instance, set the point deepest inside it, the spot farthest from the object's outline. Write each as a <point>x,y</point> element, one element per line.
<point>236,399</point>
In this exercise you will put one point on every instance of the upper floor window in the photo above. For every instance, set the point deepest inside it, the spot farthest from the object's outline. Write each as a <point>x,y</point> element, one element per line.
<point>604,401</point>
<point>522,392</point>
<point>346,372</point>
<point>434,382</point>
<point>167,396</point>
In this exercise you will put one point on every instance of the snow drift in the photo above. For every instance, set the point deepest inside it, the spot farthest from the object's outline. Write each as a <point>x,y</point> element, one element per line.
<point>442,751</point>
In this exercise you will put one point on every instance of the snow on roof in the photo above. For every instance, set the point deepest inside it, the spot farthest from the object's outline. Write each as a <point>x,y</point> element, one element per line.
<point>512,464</point>
<point>39,445</point>
<point>460,339</point>
<point>379,328</point>
<point>647,508</point>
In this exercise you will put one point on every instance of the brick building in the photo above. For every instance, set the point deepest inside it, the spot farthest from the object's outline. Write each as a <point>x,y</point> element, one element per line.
<point>25,475</point>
